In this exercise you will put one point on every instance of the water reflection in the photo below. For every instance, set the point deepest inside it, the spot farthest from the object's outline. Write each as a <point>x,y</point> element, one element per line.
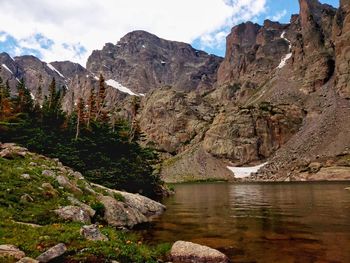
<point>261,222</point>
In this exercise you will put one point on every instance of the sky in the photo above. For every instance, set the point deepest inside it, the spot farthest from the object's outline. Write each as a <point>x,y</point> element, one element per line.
<point>71,30</point>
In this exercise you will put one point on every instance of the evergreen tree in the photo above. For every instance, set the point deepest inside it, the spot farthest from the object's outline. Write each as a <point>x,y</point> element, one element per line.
<point>101,114</point>
<point>24,100</point>
<point>92,109</point>
<point>80,117</point>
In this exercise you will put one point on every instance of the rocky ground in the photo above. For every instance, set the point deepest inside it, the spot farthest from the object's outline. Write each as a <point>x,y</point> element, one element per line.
<point>50,213</point>
<point>44,204</point>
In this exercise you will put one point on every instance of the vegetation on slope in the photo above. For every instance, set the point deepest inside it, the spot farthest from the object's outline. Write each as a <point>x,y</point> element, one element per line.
<point>24,201</point>
<point>105,151</point>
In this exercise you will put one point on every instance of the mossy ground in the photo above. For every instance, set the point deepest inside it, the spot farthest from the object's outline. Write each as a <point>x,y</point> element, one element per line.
<point>122,246</point>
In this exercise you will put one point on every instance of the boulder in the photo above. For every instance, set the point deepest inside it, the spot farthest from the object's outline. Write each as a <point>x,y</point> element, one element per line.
<point>52,254</point>
<point>314,167</point>
<point>64,182</point>
<point>11,151</point>
<point>188,252</point>
<point>83,206</point>
<point>119,214</point>
<point>11,251</point>
<point>145,205</point>
<point>25,176</point>
<point>73,213</point>
<point>27,260</point>
<point>48,173</point>
<point>92,232</point>
<point>49,190</point>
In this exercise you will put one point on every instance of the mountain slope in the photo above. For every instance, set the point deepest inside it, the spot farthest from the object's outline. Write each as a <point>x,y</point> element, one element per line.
<point>141,62</point>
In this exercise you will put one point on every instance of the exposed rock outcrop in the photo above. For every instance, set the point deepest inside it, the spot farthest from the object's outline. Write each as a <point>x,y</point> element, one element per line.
<point>252,52</point>
<point>251,134</point>
<point>73,213</point>
<point>342,48</point>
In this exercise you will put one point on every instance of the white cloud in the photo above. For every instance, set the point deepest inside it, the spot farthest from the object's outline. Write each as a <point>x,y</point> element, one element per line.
<point>278,16</point>
<point>3,37</point>
<point>91,23</point>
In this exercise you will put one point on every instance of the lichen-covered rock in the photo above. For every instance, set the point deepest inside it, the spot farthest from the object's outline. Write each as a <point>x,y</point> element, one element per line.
<point>188,252</point>
<point>73,213</point>
<point>119,214</point>
<point>92,232</point>
<point>11,251</point>
<point>53,253</point>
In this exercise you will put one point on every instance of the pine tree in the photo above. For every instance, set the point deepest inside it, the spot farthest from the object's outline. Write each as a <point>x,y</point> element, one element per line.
<point>7,89</point>
<point>101,114</point>
<point>80,117</point>
<point>92,109</point>
<point>24,100</point>
<point>52,93</point>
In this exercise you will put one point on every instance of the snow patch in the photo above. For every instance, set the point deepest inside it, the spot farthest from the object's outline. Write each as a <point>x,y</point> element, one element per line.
<point>284,60</point>
<point>143,46</point>
<point>32,95</point>
<point>243,172</point>
<point>162,62</point>
<point>120,87</point>
<point>6,67</point>
<point>142,94</point>
<point>54,69</point>
<point>288,56</point>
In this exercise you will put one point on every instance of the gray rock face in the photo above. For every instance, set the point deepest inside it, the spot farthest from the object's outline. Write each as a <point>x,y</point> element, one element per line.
<point>252,53</point>
<point>53,253</point>
<point>188,252</point>
<point>11,251</point>
<point>142,61</point>
<point>342,48</point>
<point>73,213</point>
<point>91,232</point>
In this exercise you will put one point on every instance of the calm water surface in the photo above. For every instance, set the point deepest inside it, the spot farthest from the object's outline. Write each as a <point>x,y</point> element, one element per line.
<point>308,222</point>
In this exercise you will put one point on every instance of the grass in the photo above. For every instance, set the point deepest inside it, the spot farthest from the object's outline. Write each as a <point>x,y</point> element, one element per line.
<point>123,247</point>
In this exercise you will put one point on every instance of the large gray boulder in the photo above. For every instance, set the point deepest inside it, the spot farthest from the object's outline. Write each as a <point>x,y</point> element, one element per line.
<point>119,214</point>
<point>188,252</point>
<point>53,253</point>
